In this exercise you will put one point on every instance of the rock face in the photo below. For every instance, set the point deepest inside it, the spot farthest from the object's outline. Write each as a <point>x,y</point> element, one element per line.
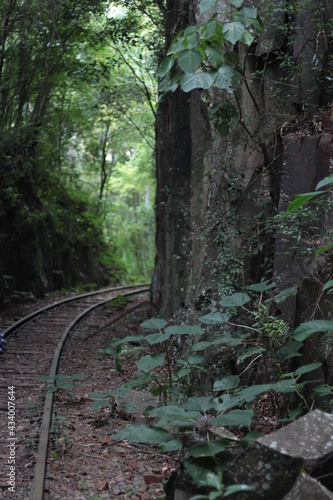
<point>216,196</point>
<point>272,465</point>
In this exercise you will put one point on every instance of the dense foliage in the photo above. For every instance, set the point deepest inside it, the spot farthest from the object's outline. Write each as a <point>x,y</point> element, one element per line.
<point>77,99</point>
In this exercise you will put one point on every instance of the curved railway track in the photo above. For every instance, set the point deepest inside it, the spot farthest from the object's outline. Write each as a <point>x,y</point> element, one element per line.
<point>36,344</point>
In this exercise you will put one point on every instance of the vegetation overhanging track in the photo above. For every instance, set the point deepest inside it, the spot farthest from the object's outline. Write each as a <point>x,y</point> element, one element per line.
<point>38,328</point>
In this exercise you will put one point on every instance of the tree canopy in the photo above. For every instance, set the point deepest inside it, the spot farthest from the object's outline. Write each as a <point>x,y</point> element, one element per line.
<point>77,100</point>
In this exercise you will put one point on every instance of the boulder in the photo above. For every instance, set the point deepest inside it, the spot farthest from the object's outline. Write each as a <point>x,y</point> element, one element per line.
<point>272,465</point>
<point>310,438</point>
<point>269,473</point>
<point>307,487</point>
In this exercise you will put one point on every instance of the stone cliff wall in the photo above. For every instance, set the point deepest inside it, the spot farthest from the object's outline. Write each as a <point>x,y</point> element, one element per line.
<point>216,195</point>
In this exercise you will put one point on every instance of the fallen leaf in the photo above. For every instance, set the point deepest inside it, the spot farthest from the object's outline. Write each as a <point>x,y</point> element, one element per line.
<point>106,441</point>
<point>153,478</point>
<point>104,486</point>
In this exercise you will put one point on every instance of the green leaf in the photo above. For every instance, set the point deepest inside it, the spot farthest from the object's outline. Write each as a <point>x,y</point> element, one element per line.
<point>189,60</point>
<point>329,283</point>
<point>251,437</point>
<point>235,300</point>
<point>177,44</point>
<point>200,403</point>
<point>324,248</point>
<point>181,362</point>
<point>244,15</point>
<point>324,182</point>
<point>226,383</point>
<point>189,82</point>
<point>213,480</point>
<point>262,287</point>
<point>144,434</point>
<point>128,407</point>
<point>170,81</point>
<point>305,330</point>
<point>236,3</point>
<point>242,418</point>
<point>257,24</point>
<point>192,39</point>
<point>226,77</point>
<point>215,56</point>
<point>190,30</point>
<point>222,114</point>
<point>161,389</point>
<point>322,390</point>
<point>307,368</point>
<point>232,341</point>
<point>301,199</point>
<point>229,401</point>
<point>183,330</point>
<point>208,30</point>
<point>206,449</point>
<point>175,415</point>
<point>195,359</point>
<point>233,31</point>
<point>293,414</point>
<point>200,346</point>
<point>285,386</point>
<point>288,292</point>
<point>129,338</point>
<point>52,388</point>
<point>150,361</point>
<point>183,372</point>
<point>174,445</point>
<point>154,324</point>
<point>246,38</point>
<point>236,488</point>
<point>290,350</point>
<point>214,318</point>
<point>206,5</point>
<point>96,405</point>
<point>165,66</point>
<point>255,390</point>
<point>198,472</point>
<point>156,338</point>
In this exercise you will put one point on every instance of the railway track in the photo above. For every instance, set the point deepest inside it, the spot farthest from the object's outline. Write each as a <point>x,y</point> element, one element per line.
<point>36,346</point>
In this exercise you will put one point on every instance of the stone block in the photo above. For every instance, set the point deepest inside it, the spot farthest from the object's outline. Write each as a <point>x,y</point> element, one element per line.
<point>308,488</point>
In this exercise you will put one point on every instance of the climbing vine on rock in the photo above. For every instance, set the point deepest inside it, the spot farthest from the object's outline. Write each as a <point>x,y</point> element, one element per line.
<point>205,56</point>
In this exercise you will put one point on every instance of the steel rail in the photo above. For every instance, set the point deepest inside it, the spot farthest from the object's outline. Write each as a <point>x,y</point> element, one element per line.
<point>37,489</point>
<point>15,326</point>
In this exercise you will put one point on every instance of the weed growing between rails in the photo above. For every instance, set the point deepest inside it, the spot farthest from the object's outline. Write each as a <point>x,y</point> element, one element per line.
<point>63,384</point>
<point>190,415</point>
